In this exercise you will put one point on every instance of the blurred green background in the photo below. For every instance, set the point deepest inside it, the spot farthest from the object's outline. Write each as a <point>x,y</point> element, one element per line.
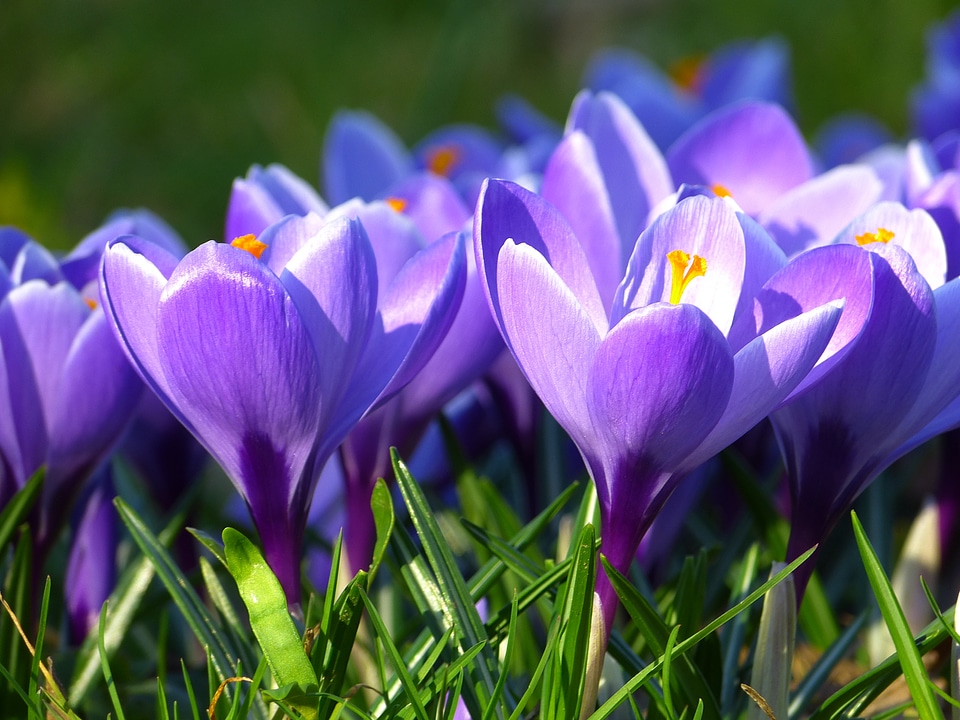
<point>118,103</point>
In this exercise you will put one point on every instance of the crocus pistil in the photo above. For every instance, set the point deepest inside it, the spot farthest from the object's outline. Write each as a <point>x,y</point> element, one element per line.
<point>683,271</point>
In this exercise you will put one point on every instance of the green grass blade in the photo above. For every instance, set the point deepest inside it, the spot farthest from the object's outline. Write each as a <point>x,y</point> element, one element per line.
<point>384,520</point>
<point>331,661</point>
<point>19,506</point>
<point>563,694</point>
<point>210,543</point>
<point>191,696</point>
<point>640,678</point>
<point>690,685</point>
<point>184,596</point>
<point>507,657</point>
<point>454,594</point>
<point>105,666</point>
<point>124,602</point>
<point>914,672</point>
<point>406,680</point>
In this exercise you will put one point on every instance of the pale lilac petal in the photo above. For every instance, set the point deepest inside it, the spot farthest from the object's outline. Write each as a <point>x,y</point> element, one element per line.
<point>698,226</point>
<point>766,371</point>
<point>394,237</point>
<point>752,149</point>
<point>285,237</point>
<point>764,259</point>
<point>813,213</point>
<point>913,230</point>
<point>38,324</point>
<point>552,337</point>
<point>362,157</point>
<point>292,194</point>
<point>250,210</point>
<point>506,211</point>
<point>415,314</point>
<point>35,262</point>
<point>651,413</point>
<point>433,204</point>
<point>339,256</point>
<point>241,367</point>
<point>634,170</point>
<point>574,184</point>
<point>132,277</point>
<point>812,279</point>
<point>97,395</point>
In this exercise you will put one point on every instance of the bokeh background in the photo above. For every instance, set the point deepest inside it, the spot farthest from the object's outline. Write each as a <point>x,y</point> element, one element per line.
<point>125,103</point>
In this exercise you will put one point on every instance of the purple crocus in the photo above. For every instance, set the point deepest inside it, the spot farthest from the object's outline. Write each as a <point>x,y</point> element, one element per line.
<point>66,389</point>
<point>271,355</point>
<point>654,388</point>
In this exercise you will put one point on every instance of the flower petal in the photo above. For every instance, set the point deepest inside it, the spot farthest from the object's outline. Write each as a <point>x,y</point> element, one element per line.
<point>505,211</point>
<point>752,149</point>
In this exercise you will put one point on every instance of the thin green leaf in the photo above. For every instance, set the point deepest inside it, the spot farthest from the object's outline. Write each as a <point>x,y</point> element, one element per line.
<point>124,602</point>
<point>938,612</point>
<point>383,519</point>
<point>18,689</point>
<point>547,658</point>
<point>38,645</point>
<point>913,670</point>
<point>210,543</point>
<point>413,695</point>
<point>105,665</point>
<point>735,632</point>
<point>811,683</point>
<point>184,596</point>
<point>564,691</point>
<point>331,661</point>
<point>163,712</point>
<point>455,596</point>
<point>640,678</point>
<point>190,694</point>
<point>690,684</point>
<point>19,506</point>
<point>667,668</point>
<point>507,657</point>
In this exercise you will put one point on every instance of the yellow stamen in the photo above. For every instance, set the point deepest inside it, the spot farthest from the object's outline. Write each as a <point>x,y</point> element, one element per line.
<point>441,159</point>
<point>91,303</point>
<point>687,72</point>
<point>882,235</point>
<point>250,244</point>
<point>721,190</point>
<point>682,276</point>
<point>398,204</point>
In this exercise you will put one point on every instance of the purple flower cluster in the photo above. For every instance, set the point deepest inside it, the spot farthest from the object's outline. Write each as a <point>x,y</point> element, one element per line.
<point>667,270</point>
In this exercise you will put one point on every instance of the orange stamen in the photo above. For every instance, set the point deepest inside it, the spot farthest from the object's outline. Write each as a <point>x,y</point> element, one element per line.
<point>442,159</point>
<point>250,244</point>
<point>882,235</point>
<point>721,190</point>
<point>687,72</point>
<point>398,204</point>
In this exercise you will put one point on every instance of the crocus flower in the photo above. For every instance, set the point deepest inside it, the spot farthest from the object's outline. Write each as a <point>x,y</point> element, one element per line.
<point>893,377</point>
<point>66,389</point>
<point>264,196</point>
<point>92,566</point>
<point>271,355</point>
<point>653,389</point>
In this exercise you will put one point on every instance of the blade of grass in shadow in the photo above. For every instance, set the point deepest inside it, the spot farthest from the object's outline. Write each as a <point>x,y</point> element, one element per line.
<point>914,672</point>
<point>507,657</point>
<point>184,596</point>
<point>330,660</point>
<point>690,684</point>
<point>817,676</point>
<point>105,665</point>
<point>640,678</point>
<point>124,602</point>
<point>16,510</point>
<point>453,589</point>
<point>736,631</point>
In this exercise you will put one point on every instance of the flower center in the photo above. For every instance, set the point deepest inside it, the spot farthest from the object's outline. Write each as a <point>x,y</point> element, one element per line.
<point>441,159</point>
<point>687,72</point>
<point>882,235</point>
<point>397,204</point>
<point>683,271</point>
<point>250,244</point>
<point>721,190</point>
